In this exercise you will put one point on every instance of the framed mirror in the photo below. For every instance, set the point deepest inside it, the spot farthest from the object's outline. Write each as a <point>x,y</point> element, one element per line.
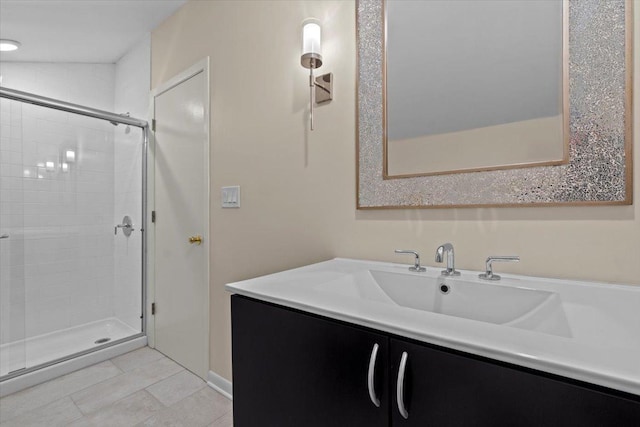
<point>590,106</point>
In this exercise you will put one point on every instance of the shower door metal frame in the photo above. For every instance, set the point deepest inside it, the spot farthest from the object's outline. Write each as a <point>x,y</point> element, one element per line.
<point>56,104</point>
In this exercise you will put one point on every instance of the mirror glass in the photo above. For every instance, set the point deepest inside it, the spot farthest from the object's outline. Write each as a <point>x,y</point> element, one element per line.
<point>474,85</point>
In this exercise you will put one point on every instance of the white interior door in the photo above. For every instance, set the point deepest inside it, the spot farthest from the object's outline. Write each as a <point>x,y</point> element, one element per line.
<point>182,213</point>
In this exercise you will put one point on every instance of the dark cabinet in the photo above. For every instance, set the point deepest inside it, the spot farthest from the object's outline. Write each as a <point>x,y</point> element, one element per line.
<point>442,388</point>
<point>295,369</point>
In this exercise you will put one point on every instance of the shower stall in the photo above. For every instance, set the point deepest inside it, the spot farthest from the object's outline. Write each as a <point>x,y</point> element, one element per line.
<point>72,221</point>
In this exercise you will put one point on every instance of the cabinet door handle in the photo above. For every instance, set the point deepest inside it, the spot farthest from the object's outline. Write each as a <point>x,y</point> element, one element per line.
<point>372,368</point>
<point>400,386</point>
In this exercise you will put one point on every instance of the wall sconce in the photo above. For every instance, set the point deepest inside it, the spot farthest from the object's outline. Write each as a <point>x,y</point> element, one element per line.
<point>311,59</point>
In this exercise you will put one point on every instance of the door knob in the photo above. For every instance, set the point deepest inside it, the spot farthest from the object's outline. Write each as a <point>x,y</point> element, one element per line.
<point>195,239</point>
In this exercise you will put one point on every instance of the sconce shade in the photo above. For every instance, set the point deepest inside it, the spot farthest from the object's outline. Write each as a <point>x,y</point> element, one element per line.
<point>311,44</point>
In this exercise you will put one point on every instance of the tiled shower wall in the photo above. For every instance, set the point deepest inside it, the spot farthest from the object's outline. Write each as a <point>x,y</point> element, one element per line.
<point>12,292</point>
<point>64,225</point>
<point>63,250</point>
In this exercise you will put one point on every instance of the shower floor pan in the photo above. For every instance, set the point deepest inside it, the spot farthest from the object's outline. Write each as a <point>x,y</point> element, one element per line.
<point>45,348</point>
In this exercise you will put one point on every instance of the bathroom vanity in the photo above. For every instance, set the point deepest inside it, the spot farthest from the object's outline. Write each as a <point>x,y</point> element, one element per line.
<point>356,343</point>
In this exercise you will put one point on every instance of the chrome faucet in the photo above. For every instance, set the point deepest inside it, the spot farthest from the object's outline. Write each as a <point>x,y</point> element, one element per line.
<point>451,267</point>
<point>416,261</point>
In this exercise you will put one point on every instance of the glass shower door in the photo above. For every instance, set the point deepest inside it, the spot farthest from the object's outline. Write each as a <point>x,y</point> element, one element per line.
<point>12,280</point>
<point>70,278</point>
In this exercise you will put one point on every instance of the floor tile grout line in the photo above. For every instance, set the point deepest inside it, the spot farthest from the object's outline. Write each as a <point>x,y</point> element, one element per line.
<point>70,393</point>
<point>120,400</point>
<point>153,414</point>
<point>91,385</point>
<point>130,394</point>
<point>162,355</point>
<point>185,397</point>
<point>33,410</point>
<point>162,379</point>
<point>67,394</point>
<point>76,406</point>
<point>98,383</point>
<point>222,415</point>
<point>118,372</point>
<point>229,410</point>
<point>161,407</point>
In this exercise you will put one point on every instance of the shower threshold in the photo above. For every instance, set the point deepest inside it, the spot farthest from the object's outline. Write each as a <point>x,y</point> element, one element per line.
<point>42,349</point>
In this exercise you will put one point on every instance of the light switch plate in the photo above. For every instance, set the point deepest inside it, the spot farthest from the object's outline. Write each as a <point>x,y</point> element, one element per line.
<point>231,197</point>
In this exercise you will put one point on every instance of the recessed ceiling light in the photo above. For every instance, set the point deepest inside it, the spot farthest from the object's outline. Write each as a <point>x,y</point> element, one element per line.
<point>8,45</point>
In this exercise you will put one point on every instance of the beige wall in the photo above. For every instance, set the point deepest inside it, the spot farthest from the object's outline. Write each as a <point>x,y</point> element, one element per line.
<point>298,187</point>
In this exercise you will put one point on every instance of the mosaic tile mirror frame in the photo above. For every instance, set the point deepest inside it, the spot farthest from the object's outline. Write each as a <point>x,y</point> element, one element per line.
<point>599,171</point>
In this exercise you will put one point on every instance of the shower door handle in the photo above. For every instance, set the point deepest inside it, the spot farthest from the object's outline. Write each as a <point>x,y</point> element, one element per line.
<point>127,226</point>
<point>4,236</point>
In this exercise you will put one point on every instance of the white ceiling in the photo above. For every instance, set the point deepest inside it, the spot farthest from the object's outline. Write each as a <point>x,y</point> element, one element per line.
<point>93,31</point>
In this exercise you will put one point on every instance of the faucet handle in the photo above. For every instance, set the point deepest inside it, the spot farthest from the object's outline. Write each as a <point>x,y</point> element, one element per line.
<point>488,274</point>
<point>416,263</point>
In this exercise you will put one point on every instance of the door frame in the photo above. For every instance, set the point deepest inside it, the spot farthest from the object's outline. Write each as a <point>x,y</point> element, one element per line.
<point>201,66</point>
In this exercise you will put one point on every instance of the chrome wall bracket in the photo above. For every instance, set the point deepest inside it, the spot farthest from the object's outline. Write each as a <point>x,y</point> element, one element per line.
<point>324,88</point>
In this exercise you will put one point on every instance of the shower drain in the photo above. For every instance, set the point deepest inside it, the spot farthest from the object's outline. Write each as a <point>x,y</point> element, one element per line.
<point>102,340</point>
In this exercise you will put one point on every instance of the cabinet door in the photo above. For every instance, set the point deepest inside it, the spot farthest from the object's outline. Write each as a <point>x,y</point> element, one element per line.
<point>447,389</point>
<point>294,369</point>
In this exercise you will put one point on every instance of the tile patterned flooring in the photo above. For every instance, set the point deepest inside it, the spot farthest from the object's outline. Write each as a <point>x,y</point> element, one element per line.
<point>140,388</point>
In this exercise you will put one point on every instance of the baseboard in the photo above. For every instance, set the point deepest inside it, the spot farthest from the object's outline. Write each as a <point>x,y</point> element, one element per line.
<point>220,384</point>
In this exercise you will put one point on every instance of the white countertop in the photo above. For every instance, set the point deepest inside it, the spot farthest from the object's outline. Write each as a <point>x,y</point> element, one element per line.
<point>603,346</point>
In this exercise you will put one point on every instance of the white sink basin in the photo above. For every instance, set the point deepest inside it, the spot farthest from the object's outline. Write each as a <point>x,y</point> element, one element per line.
<point>524,308</point>
<point>586,331</point>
